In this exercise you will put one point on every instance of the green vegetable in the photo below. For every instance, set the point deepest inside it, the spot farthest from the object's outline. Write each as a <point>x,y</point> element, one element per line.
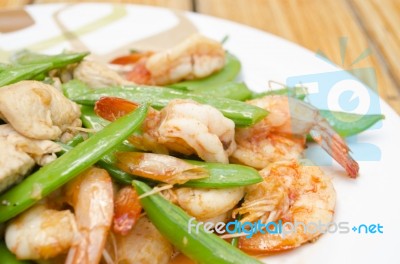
<point>70,144</point>
<point>3,66</point>
<point>296,92</point>
<point>107,162</point>
<point>241,113</point>
<point>68,166</point>
<point>9,258</point>
<point>235,241</point>
<point>74,88</point>
<point>26,57</point>
<point>16,73</point>
<point>40,77</point>
<point>224,39</point>
<point>33,66</point>
<point>91,120</point>
<point>347,124</point>
<point>231,90</point>
<point>224,176</point>
<point>75,140</point>
<point>65,147</point>
<point>119,175</point>
<point>226,74</point>
<point>220,175</point>
<point>173,224</point>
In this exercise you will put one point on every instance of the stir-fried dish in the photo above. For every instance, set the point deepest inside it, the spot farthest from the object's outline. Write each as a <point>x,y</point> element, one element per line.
<point>152,157</point>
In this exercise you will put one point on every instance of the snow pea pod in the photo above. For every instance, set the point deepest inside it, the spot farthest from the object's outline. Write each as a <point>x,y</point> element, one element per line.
<point>57,173</point>
<point>3,66</point>
<point>74,88</point>
<point>16,73</point>
<point>91,120</point>
<point>75,140</point>
<point>28,65</point>
<point>231,90</point>
<point>107,162</point>
<point>26,57</point>
<point>176,226</point>
<point>296,92</point>
<point>218,175</point>
<point>224,176</point>
<point>241,113</point>
<point>347,124</point>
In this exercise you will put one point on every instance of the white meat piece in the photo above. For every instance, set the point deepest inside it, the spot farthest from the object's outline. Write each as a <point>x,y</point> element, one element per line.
<point>14,164</point>
<point>97,75</point>
<point>18,155</point>
<point>37,110</point>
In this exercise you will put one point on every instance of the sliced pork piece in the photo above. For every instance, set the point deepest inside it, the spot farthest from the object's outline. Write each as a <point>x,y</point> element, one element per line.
<point>37,110</point>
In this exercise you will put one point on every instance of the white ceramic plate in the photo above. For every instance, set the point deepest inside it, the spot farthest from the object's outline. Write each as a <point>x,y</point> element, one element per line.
<point>372,198</point>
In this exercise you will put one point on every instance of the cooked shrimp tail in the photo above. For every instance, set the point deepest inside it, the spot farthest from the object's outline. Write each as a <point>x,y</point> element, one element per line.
<point>127,210</point>
<point>91,196</point>
<point>112,108</point>
<point>335,146</point>
<point>303,115</point>
<point>290,118</point>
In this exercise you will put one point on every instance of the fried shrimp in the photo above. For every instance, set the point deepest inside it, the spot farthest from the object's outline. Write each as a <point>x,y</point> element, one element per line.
<point>196,57</point>
<point>159,167</point>
<point>91,196</point>
<point>143,244</point>
<point>183,126</point>
<point>127,210</point>
<point>293,193</point>
<point>208,203</point>
<point>258,150</point>
<point>291,120</point>
<point>41,233</point>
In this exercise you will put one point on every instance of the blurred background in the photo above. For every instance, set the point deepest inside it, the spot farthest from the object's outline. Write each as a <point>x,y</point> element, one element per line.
<point>371,27</point>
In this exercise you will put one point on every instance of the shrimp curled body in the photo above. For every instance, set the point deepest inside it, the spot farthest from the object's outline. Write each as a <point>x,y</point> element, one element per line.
<point>293,193</point>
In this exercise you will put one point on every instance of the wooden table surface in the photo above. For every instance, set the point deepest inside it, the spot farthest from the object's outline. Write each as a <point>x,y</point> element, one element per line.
<point>318,25</point>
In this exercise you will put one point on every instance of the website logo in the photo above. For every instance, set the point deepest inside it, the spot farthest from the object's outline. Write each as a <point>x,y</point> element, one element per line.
<point>344,91</point>
<point>283,229</point>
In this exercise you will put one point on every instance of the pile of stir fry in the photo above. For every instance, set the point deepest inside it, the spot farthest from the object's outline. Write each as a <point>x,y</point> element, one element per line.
<point>119,162</point>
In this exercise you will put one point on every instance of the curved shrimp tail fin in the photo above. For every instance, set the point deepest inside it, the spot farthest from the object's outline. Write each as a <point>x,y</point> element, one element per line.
<point>340,152</point>
<point>336,147</point>
<point>112,108</point>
